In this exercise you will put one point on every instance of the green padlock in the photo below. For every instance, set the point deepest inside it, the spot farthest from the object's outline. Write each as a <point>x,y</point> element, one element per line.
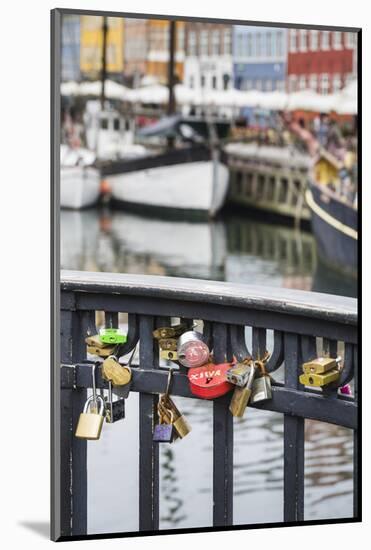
<point>112,336</point>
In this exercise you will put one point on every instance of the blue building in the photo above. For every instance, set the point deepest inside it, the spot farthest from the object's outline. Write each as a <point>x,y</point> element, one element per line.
<point>259,58</point>
<point>71,47</point>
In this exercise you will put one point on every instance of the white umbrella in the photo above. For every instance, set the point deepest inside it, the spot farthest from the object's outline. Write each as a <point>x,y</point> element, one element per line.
<point>307,100</point>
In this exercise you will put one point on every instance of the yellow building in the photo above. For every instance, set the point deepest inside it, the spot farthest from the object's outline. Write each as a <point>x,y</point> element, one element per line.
<point>158,51</point>
<point>91,40</point>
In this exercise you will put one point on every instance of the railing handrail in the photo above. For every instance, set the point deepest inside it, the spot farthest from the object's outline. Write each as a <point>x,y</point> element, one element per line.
<point>315,305</point>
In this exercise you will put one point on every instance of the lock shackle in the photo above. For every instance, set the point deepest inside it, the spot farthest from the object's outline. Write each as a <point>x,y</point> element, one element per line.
<point>96,399</point>
<point>169,379</point>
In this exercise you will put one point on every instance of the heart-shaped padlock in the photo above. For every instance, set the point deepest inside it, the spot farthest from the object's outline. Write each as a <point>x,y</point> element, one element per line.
<point>209,381</point>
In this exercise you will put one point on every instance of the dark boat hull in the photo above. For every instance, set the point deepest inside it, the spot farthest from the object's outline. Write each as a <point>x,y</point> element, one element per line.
<point>334,224</point>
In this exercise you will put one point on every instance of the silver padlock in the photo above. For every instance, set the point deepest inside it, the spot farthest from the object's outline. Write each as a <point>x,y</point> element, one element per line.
<point>261,389</point>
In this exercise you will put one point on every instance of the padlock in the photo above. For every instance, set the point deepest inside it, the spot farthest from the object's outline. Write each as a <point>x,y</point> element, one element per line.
<point>209,381</point>
<point>192,349</point>
<point>261,389</point>
<point>320,365</point>
<point>168,344</point>
<point>179,422</point>
<point>115,410</point>
<point>112,336</point>
<point>91,421</point>
<point>241,396</point>
<point>96,342</point>
<point>164,433</point>
<point>169,332</point>
<point>238,374</point>
<point>119,375</point>
<point>319,380</point>
<point>168,355</point>
<point>101,352</point>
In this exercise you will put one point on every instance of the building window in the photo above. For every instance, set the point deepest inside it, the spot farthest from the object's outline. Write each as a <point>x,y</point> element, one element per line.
<point>280,85</point>
<point>336,83</point>
<point>313,82</point>
<point>314,40</point>
<point>203,81</point>
<point>336,40</point>
<point>268,46</point>
<point>268,85</point>
<point>192,43</point>
<point>258,84</point>
<point>215,44</point>
<point>227,42</point>
<point>279,43</point>
<point>303,40</point>
<point>204,36</point>
<point>258,44</point>
<point>302,82</point>
<point>240,45</point>
<point>191,81</point>
<point>325,40</point>
<point>213,83</point>
<point>249,47</point>
<point>324,83</point>
<point>292,83</point>
<point>292,41</point>
<point>350,40</point>
<point>226,79</point>
<point>248,85</point>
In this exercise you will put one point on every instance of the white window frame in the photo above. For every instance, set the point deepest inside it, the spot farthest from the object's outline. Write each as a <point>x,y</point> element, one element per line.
<point>325,40</point>
<point>215,42</point>
<point>258,84</point>
<point>192,43</point>
<point>313,82</point>
<point>293,41</point>
<point>227,41</point>
<point>337,40</point>
<point>258,44</point>
<point>314,40</point>
<point>269,45</point>
<point>279,44</point>
<point>292,83</point>
<point>249,45</point>
<point>302,82</point>
<point>336,78</point>
<point>204,43</point>
<point>324,78</point>
<point>303,40</point>
<point>350,40</point>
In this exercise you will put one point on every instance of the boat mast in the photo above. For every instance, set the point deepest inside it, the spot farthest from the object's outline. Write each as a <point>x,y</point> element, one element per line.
<point>104,64</point>
<point>171,107</point>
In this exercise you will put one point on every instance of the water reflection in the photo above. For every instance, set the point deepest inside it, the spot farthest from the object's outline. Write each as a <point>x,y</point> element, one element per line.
<point>233,249</point>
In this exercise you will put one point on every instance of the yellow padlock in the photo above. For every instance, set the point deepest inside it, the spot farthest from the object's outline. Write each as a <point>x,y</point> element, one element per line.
<point>319,365</point>
<point>319,380</point>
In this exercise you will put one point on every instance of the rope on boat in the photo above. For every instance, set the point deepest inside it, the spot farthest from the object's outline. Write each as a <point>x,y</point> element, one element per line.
<point>349,231</point>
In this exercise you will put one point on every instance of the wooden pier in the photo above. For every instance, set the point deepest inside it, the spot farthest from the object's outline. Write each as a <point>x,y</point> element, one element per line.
<point>268,178</point>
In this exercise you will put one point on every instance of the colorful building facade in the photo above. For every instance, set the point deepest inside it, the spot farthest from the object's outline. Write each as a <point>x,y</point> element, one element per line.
<point>208,62</point>
<point>259,58</point>
<point>70,47</point>
<point>146,47</point>
<point>91,36</point>
<point>323,61</point>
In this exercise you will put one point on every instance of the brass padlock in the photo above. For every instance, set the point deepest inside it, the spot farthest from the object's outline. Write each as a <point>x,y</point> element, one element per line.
<point>169,332</point>
<point>168,343</point>
<point>242,395</point>
<point>320,365</point>
<point>261,389</point>
<point>179,421</point>
<point>96,341</point>
<point>101,352</point>
<point>90,421</point>
<point>119,375</point>
<point>169,355</point>
<point>319,380</point>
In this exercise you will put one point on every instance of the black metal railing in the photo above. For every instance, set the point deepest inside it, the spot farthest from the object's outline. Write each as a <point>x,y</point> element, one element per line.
<point>299,321</point>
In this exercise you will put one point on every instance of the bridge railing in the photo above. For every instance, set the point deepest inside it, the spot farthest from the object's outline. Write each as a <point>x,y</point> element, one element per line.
<point>301,322</point>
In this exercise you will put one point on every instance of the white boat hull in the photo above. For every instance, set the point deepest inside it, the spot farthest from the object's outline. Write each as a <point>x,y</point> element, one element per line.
<point>80,187</point>
<point>194,186</point>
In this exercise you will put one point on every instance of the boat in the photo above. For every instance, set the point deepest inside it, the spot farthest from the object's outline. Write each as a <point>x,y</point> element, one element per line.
<point>80,180</point>
<point>334,217</point>
<point>190,181</point>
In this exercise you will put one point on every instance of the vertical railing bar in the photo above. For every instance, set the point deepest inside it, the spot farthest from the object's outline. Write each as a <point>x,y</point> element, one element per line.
<point>293,438</point>
<point>222,442</point>
<point>357,491</point>
<point>259,342</point>
<point>111,319</point>
<point>148,450</point>
<point>74,327</point>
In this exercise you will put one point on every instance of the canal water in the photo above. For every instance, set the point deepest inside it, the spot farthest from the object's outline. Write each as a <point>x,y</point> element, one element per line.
<point>237,249</point>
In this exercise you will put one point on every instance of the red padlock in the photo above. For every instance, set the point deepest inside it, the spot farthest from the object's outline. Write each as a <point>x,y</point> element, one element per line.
<point>209,381</point>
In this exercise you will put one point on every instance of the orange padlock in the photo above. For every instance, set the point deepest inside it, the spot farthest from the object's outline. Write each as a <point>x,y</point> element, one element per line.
<point>210,381</point>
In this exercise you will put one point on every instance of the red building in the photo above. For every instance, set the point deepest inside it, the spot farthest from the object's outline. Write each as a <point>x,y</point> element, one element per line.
<point>323,61</point>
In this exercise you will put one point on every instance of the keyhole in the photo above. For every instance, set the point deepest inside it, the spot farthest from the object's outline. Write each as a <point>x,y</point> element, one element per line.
<point>208,380</point>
